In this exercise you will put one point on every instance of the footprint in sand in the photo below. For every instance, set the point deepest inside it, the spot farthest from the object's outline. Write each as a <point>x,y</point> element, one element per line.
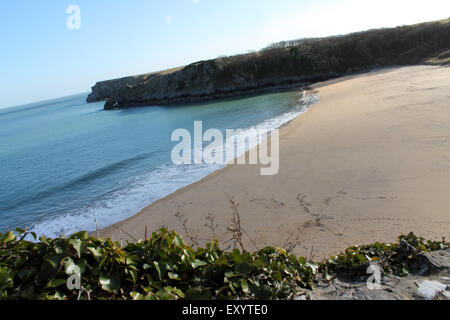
<point>268,203</point>
<point>301,198</point>
<point>328,201</point>
<point>313,224</point>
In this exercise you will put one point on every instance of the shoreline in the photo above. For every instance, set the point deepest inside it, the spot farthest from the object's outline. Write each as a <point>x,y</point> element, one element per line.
<point>208,176</point>
<point>274,214</point>
<point>218,171</point>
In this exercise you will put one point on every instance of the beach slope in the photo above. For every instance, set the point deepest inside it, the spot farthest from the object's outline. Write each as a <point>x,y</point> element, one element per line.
<point>369,161</point>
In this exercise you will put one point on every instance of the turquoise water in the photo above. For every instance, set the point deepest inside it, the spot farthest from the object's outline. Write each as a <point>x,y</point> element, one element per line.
<point>63,160</point>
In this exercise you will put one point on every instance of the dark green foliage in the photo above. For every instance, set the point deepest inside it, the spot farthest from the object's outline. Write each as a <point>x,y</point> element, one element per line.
<point>393,258</point>
<point>164,267</point>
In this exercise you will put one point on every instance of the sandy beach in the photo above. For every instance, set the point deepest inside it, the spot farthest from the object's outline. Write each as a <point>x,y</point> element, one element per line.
<point>370,161</point>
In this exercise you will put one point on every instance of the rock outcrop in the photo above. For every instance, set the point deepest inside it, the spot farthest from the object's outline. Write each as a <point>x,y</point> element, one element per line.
<point>280,66</point>
<point>201,81</point>
<point>429,279</point>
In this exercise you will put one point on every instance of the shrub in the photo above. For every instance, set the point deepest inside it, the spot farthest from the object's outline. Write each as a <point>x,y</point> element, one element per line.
<point>164,267</point>
<point>394,258</point>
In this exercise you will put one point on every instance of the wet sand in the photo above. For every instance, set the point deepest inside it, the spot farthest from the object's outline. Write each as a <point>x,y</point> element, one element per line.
<point>370,161</point>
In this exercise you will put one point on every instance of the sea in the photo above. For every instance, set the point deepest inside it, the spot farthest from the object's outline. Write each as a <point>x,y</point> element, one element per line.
<point>67,166</point>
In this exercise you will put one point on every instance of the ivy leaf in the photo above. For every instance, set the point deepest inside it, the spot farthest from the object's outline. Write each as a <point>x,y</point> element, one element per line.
<point>131,260</point>
<point>243,268</point>
<point>164,294</point>
<point>160,269</point>
<point>110,284</point>
<point>9,237</point>
<point>198,263</point>
<point>174,276</point>
<point>236,256</point>
<point>133,274</point>
<point>76,244</point>
<point>53,261</point>
<point>361,258</point>
<point>137,296</point>
<point>6,278</point>
<point>70,267</point>
<point>83,235</point>
<point>178,241</point>
<point>244,285</point>
<point>57,296</point>
<point>56,283</point>
<point>282,251</point>
<point>96,252</point>
<point>314,267</point>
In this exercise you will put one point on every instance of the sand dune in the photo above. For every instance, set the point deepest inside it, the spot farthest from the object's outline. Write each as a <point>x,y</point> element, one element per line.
<point>371,160</point>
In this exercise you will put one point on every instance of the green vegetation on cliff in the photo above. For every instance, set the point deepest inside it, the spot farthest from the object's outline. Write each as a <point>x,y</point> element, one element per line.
<point>164,267</point>
<point>281,66</point>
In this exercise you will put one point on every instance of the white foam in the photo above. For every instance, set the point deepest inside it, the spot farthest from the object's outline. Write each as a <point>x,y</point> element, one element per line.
<point>155,185</point>
<point>124,203</point>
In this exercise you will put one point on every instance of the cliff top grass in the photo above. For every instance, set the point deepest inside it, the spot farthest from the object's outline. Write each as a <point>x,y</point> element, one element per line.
<point>164,267</point>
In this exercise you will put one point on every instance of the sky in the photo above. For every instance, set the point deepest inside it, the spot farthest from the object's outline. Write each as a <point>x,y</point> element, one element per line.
<point>41,58</point>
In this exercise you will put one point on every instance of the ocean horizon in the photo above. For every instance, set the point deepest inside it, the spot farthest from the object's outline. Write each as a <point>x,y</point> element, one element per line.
<point>65,163</point>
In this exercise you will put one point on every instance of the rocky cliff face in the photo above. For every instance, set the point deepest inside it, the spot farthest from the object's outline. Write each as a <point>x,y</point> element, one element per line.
<point>280,67</point>
<point>200,81</point>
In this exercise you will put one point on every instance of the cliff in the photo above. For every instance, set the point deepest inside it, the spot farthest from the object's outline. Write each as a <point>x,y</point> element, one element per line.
<point>280,66</point>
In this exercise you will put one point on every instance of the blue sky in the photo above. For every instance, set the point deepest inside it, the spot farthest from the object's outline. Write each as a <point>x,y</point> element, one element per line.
<point>40,58</point>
